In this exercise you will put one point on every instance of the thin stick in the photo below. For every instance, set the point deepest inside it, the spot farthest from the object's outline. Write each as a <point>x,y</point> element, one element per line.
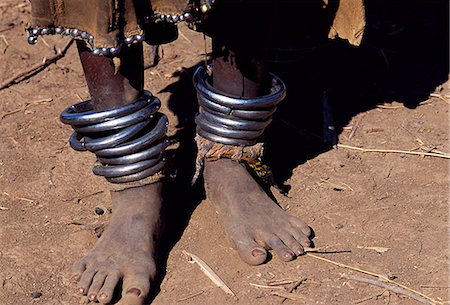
<point>280,282</point>
<point>392,288</point>
<point>209,272</point>
<point>369,298</point>
<point>33,70</point>
<point>191,296</point>
<point>293,286</point>
<point>19,198</point>
<point>436,287</point>
<point>293,296</point>
<point>384,278</point>
<point>440,97</point>
<point>266,287</point>
<point>443,155</point>
<point>26,106</point>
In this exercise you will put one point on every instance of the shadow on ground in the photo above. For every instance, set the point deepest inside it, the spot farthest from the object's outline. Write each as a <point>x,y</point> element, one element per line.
<point>403,58</point>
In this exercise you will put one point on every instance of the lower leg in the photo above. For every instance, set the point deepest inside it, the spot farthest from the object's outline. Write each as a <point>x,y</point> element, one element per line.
<point>253,222</point>
<point>126,250</point>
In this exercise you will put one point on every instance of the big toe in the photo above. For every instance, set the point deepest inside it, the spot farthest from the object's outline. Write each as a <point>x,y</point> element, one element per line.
<point>136,287</point>
<point>250,252</point>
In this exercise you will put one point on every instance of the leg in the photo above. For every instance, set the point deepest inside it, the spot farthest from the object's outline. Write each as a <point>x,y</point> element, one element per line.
<point>253,222</point>
<point>126,250</point>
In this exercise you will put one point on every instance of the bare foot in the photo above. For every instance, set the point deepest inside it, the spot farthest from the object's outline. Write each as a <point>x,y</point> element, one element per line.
<point>126,250</point>
<point>253,222</point>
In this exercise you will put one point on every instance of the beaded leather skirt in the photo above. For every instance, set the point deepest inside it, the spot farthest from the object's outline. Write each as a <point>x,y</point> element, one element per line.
<point>105,21</point>
<point>109,23</point>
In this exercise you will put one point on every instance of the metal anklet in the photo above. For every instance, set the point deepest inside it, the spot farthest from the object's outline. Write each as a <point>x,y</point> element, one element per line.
<point>129,141</point>
<point>233,120</point>
<point>231,127</point>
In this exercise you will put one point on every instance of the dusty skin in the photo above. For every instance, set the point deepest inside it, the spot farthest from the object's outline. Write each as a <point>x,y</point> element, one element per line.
<point>126,250</point>
<point>390,93</point>
<point>253,222</point>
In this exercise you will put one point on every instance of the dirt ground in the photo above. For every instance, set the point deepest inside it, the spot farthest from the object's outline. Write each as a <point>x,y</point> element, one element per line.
<point>383,212</point>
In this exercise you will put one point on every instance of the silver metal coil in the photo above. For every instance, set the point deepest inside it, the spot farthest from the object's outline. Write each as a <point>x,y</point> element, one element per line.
<point>232,120</point>
<point>129,141</point>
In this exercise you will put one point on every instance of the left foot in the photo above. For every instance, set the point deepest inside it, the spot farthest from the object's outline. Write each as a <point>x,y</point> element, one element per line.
<point>253,222</point>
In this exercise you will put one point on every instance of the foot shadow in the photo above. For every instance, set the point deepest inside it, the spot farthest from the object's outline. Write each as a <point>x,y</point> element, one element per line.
<point>403,58</point>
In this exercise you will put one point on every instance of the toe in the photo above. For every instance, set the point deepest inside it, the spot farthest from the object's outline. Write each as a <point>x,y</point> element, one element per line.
<point>293,244</point>
<point>136,287</point>
<point>78,269</point>
<point>105,294</point>
<point>96,285</point>
<point>302,238</point>
<point>250,252</point>
<point>283,252</point>
<point>302,226</point>
<point>86,280</point>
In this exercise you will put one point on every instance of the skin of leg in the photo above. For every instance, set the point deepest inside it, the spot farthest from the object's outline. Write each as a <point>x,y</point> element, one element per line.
<point>126,250</point>
<point>253,222</point>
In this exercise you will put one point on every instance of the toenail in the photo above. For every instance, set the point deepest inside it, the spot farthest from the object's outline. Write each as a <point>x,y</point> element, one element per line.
<point>102,295</point>
<point>257,252</point>
<point>80,290</point>
<point>92,296</point>
<point>135,291</point>
<point>299,251</point>
<point>288,255</point>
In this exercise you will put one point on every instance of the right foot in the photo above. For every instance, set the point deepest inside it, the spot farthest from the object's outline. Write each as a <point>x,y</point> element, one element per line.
<point>126,250</point>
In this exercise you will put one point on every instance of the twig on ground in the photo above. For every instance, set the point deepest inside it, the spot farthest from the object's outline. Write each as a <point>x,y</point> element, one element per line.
<point>406,152</point>
<point>369,298</point>
<point>26,106</point>
<point>382,277</point>
<point>266,287</point>
<point>77,199</point>
<point>322,249</point>
<point>191,296</point>
<point>293,286</point>
<point>209,272</point>
<point>393,288</point>
<point>19,198</point>
<point>439,96</point>
<point>293,296</point>
<point>6,43</point>
<point>184,36</point>
<point>36,68</point>
<point>337,186</point>
<point>434,287</point>
<point>280,282</point>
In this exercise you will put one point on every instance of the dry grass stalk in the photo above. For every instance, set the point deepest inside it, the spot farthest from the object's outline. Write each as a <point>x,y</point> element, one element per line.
<point>382,277</point>
<point>439,96</point>
<point>19,198</point>
<point>209,272</point>
<point>369,298</point>
<point>26,106</point>
<point>406,152</point>
<point>280,282</point>
<point>293,296</point>
<point>191,296</point>
<point>266,286</point>
<point>391,287</point>
<point>15,79</point>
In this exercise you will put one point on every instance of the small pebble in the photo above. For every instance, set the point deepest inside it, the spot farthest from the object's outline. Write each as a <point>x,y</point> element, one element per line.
<point>99,211</point>
<point>36,294</point>
<point>339,226</point>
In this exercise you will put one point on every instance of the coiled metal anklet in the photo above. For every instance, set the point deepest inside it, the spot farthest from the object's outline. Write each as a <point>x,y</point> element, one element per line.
<point>129,141</point>
<point>232,120</point>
